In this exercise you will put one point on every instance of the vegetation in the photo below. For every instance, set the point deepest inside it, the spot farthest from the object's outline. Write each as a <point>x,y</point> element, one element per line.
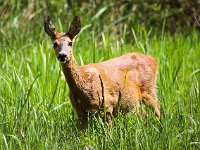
<point>35,111</point>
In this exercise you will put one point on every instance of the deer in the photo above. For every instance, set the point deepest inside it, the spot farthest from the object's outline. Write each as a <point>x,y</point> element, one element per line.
<point>102,89</point>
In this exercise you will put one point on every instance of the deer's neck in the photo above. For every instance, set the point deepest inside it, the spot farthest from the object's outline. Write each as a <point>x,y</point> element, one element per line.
<point>73,75</point>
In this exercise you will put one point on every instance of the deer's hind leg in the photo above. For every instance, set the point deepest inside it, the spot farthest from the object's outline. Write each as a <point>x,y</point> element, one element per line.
<point>151,101</point>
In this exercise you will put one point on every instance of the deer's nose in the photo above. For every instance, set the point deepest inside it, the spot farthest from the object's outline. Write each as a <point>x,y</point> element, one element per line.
<point>62,57</point>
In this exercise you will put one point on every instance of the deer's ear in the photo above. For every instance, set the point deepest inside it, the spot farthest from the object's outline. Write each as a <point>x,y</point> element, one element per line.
<point>49,27</point>
<point>75,27</point>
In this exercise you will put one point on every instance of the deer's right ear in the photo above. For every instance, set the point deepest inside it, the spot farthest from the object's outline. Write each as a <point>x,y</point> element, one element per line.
<point>49,27</point>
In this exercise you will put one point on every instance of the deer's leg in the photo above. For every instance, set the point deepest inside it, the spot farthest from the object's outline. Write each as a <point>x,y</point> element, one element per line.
<point>82,116</point>
<point>151,101</point>
<point>83,120</point>
<point>107,114</point>
<point>109,119</point>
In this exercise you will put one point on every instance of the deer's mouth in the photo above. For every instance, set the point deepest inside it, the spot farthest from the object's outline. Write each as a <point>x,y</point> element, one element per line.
<point>62,57</point>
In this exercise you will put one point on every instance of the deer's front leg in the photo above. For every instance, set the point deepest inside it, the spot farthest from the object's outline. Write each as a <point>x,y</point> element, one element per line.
<point>82,116</point>
<point>83,120</point>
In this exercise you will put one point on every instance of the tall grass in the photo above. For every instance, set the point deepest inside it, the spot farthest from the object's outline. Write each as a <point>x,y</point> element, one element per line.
<point>35,111</point>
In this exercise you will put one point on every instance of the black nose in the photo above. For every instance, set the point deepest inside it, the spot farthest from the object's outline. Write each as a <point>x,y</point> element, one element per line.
<point>62,57</point>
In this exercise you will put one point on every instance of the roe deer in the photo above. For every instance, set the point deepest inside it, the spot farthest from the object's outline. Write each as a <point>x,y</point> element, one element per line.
<point>104,88</point>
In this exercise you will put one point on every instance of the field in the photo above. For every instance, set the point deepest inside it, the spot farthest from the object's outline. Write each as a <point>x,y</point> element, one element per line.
<point>35,111</point>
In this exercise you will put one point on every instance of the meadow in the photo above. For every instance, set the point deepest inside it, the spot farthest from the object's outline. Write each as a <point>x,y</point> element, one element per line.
<point>35,110</point>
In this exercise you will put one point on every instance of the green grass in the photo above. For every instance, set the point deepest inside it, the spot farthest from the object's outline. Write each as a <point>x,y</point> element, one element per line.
<point>35,111</point>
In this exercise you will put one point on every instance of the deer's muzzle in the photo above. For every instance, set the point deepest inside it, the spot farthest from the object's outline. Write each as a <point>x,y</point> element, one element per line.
<point>62,57</point>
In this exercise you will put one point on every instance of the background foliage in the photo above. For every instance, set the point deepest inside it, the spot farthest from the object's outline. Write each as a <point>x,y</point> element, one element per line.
<point>35,112</point>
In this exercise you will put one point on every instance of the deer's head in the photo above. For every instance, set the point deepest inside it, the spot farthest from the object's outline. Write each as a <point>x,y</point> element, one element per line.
<point>62,42</point>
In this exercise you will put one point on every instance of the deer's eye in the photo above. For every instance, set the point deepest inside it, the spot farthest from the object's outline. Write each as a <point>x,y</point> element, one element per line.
<point>55,45</point>
<point>70,43</point>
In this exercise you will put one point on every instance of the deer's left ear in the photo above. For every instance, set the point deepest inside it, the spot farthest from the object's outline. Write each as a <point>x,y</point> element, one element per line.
<point>75,28</point>
<point>49,27</point>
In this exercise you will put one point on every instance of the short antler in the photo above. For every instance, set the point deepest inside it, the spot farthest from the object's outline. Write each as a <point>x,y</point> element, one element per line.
<point>49,27</point>
<point>75,27</point>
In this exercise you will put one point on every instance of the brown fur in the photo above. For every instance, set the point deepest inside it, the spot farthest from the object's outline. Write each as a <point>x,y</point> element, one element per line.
<point>119,83</point>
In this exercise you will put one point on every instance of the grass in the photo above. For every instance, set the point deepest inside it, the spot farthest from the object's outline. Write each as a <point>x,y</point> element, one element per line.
<point>35,111</point>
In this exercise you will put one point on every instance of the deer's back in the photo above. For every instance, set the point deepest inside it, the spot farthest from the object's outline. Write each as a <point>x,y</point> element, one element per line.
<point>141,68</point>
